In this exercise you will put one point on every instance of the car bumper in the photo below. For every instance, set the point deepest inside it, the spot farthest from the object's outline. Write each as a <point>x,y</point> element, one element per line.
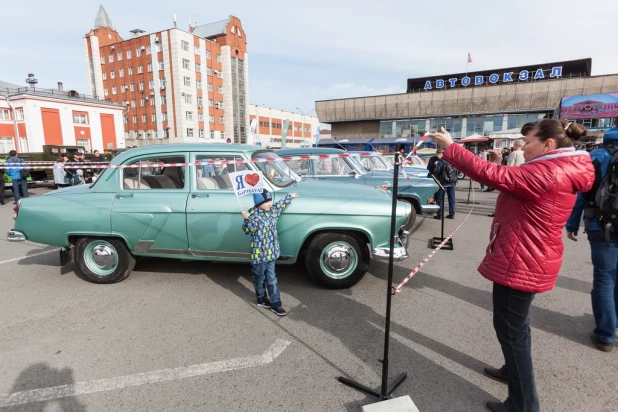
<point>430,208</point>
<point>15,236</point>
<point>399,251</point>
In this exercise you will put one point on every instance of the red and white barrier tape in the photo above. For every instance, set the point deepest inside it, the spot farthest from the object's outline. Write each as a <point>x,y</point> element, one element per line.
<point>432,254</point>
<point>52,163</point>
<point>201,163</point>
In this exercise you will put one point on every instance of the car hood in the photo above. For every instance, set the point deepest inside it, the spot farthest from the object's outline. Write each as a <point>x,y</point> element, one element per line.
<point>325,188</point>
<point>379,177</point>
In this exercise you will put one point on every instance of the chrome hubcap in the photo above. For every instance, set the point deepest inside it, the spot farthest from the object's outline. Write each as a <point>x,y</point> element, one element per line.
<point>338,258</point>
<point>104,256</point>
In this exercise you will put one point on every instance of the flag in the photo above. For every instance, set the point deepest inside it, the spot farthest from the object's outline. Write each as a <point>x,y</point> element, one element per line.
<point>469,58</point>
<point>284,133</point>
<point>317,136</point>
<point>252,129</point>
<point>247,182</point>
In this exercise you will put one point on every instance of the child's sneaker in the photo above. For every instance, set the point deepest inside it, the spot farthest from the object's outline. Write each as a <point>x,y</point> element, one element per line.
<point>264,303</point>
<point>279,311</point>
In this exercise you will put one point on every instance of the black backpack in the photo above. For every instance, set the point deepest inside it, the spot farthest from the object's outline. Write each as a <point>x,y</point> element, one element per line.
<point>603,198</point>
<point>449,174</point>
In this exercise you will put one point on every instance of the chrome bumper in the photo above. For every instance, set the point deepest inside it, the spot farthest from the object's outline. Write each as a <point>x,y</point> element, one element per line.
<point>430,208</point>
<point>15,236</point>
<point>399,251</point>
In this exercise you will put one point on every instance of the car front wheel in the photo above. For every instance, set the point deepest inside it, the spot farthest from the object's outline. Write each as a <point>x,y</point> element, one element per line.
<point>336,260</point>
<point>103,260</point>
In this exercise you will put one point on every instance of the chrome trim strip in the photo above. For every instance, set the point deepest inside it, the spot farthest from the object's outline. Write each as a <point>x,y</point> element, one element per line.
<point>218,254</point>
<point>168,251</point>
<point>15,236</point>
<point>143,245</point>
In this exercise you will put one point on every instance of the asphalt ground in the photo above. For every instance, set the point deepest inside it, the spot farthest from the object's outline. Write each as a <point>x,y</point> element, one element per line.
<point>186,336</point>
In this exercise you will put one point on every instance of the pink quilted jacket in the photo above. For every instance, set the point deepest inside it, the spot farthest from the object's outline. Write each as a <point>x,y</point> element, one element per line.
<point>525,247</point>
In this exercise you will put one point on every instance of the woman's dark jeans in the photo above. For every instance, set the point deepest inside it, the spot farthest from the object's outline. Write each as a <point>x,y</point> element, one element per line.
<point>512,325</point>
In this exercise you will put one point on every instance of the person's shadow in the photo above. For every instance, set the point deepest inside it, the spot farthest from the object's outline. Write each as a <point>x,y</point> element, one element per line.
<point>359,328</point>
<point>40,376</point>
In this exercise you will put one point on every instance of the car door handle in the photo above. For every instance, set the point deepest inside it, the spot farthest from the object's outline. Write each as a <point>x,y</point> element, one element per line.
<point>125,195</point>
<point>194,195</point>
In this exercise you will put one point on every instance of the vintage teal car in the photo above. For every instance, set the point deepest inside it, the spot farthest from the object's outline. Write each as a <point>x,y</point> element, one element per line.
<point>191,212</point>
<point>418,192</point>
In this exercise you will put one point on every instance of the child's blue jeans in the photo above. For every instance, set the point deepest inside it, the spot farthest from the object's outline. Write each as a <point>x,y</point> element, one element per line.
<point>266,272</point>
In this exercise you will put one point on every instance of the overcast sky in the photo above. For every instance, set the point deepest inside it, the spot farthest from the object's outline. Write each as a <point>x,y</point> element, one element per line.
<point>300,52</point>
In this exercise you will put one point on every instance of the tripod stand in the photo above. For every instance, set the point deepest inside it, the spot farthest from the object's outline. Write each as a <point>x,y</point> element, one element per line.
<point>385,390</point>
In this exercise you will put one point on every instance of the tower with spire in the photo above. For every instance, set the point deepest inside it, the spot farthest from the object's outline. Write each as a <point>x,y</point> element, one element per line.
<point>102,19</point>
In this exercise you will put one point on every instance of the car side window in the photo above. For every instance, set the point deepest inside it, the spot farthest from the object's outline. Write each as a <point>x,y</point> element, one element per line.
<point>301,167</point>
<point>216,176</point>
<point>332,167</point>
<point>152,176</point>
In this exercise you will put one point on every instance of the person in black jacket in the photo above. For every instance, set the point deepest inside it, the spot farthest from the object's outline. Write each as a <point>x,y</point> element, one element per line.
<point>97,159</point>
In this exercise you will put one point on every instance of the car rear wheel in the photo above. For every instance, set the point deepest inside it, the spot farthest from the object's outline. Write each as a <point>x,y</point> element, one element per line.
<point>411,219</point>
<point>336,260</point>
<point>103,260</point>
<point>460,175</point>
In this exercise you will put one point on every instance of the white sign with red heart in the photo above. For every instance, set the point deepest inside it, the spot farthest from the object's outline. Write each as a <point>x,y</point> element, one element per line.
<point>247,182</point>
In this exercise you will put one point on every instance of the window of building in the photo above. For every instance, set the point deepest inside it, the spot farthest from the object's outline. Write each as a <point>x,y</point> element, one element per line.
<point>198,67</point>
<point>220,89</point>
<point>104,75</point>
<point>132,87</point>
<point>161,65</point>
<point>188,98</point>
<point>189,132</point>
<point>140,69</point>
<point>184,45</point>
<point>149,67</point>
<point>453,126</point>
<point>189,115</point>
<point>143,102</point>
<point>196,49</point>
<point>166,132</point>
<point>20,114</point>
<point>133,103</point>
<point>129,54</point>
<point>85,143</point>
<point>220,105</point>
<point>152,101</point>
<point>113,89</point>
<point>141,85</point>
<point>80,119</point>
<point>159,47</point>
<point>187,81</point>
<point>199,101</point>
<point>198,84</point>
<point>102,59</point>
<point>211,118</point>
<point>134,119</point>
<point>200,117</point>
<point>212,135</point>
<point>148,49</point>
<point>119,56</point>
<point>126,120</point>
<point>155,178</point>
<point>483,125</point>
<point>164,117</point>
<point>112,74</point>
<point>163,99</point>
<point>138,52</point>
<point>144,118</point>
<point>210,87</point>
<point>222,135</point>
<point>121,72</point>
<point>151,84</point>
<point>111,58</point>
<point>219,58</point>
<point>202,133</point>
<point>123,88</point>
<point>130,71</point>
<point>154,118</point>
<point>208,54</point>
<point>186,64</point>
<point>517,121</point>
<point>208,71</point>
<point>221,120</point>
<point>210,103</point>
<point>219,75</point>
<point>162,82</point>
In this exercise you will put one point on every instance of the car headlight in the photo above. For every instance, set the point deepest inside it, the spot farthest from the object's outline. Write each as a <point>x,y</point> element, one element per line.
<point>408,209</point>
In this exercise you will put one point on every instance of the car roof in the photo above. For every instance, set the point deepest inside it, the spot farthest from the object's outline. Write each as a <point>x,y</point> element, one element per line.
<point>308,151</point>
<point>184,147</point>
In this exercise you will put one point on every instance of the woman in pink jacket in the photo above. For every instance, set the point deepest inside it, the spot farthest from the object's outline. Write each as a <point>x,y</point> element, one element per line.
<point>525,248</point>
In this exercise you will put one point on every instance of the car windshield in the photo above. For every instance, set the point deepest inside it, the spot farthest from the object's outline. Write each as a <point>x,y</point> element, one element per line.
<point>415,161</point>
<point>277,172</point>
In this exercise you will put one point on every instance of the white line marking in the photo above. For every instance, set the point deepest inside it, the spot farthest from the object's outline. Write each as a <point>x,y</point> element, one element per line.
<point>28,256</point>
<point>120,382</point>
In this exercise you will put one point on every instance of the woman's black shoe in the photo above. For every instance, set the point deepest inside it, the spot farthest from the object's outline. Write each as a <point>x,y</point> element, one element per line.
<point>437,217</point>
<point>450,217</point>
<point>496,407</point>
<point>499,375</point>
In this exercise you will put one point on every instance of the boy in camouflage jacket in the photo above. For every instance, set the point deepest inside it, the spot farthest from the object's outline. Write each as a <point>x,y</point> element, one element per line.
<point>261,224</point>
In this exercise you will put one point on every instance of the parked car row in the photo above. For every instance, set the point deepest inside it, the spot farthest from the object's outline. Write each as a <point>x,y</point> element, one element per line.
<point>191,212</point>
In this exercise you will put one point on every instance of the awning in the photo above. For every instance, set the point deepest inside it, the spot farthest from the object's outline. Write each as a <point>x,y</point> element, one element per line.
<point>475,138</point>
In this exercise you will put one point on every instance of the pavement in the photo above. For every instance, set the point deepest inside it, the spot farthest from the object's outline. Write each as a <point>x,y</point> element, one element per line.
<point>186,336</point>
